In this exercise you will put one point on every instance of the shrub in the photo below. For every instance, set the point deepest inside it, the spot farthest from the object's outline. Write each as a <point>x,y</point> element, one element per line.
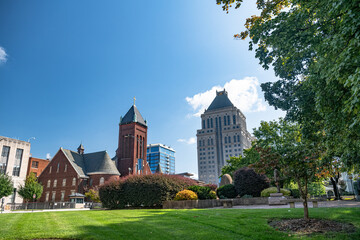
<point>142,191</point>
<point>212,195</point>
<point>226,191</point>
<point>295,193</point>
<point>93,194</point>
<point>213,187</point>
<point>266,192</point>
<point>317,189</point>
<point>248,182</point>
<point>202,192</point>
<point>185,195</point>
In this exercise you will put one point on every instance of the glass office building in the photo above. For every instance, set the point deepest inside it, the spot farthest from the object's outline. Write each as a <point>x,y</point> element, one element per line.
<point>161,158</point>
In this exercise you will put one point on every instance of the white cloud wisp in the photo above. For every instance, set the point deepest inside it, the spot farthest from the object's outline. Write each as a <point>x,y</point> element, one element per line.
<point>242,93</point>
<point>3,55</point>
<point>191,140</point>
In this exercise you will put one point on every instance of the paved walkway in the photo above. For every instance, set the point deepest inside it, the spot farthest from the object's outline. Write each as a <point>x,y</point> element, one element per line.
<point>49,210</point>
<point>324,204</point>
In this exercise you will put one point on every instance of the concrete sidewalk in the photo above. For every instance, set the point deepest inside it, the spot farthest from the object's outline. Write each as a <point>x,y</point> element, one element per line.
<point>325,204</point>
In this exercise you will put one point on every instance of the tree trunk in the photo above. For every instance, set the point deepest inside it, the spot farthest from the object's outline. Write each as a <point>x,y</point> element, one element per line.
<point>335,188</point>
<point>303,193</point>
<point>26,204</point>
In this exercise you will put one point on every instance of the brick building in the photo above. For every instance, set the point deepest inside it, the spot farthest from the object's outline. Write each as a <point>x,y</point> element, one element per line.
<point>131,152</point>
<point>72,172</point>
<point>36,165</point>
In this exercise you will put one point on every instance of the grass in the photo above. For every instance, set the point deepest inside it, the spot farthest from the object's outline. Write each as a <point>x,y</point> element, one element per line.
<point>166,224</point>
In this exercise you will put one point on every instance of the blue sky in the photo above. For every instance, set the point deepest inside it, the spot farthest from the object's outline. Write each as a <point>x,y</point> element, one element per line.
<point>70,69</point>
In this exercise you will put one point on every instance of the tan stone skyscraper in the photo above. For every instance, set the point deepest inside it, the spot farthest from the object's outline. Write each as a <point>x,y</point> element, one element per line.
<point>222,135</point>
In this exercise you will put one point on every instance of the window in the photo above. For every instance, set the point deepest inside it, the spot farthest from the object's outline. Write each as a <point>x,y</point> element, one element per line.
<point>62,196</point>
<point>74,181</point>
<point>234,138</point>
<point>64,182</point>
<point>234,119</point>
<point>238,138</point>
<point>53,196</point>
<point>203,124</point>
<point>101,181</point>
<point>208,123</point>
<point>225,139</point>
<point>4,159</point>
<point>47,196</point>
<point>48,183</point>
<point>91,181</point>
<point>228,119</point>
<point>229,139</point>
<point>55,183</point>
<point>65,170</point>
<point>50,169</point>
<point>211,121</point>
<point>17,164</point>
<point>224,120</point>
<point>35,164</point>
<point>72,192</point>
<point>58,167</point>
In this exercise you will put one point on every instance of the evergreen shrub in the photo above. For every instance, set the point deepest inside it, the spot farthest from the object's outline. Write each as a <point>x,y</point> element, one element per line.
<point>248,182</point>
<point>202,192</point>
<point>142,190</point>
<point>227,191</point>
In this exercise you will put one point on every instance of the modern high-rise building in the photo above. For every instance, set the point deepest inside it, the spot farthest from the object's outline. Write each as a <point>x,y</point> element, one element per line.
<point>222,135</point>
<point>161,158</point>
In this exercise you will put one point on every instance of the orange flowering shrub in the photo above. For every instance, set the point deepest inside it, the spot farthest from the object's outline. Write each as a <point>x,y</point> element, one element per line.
<point>186,195</point>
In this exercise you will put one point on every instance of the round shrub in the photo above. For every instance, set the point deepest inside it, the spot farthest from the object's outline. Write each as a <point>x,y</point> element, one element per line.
<point>142,191</point>
<point>202,192</point>
<point>212,195</point>
<point>185,195</point>
<point>213,187</point>
<point>266,192</point>
<point>248,182</point>
<point>227,191</point>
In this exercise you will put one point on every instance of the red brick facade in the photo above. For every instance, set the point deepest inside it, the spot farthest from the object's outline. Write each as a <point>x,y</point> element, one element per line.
<point>60,180</point>
<point>132,147</point>
<point>37,165</point>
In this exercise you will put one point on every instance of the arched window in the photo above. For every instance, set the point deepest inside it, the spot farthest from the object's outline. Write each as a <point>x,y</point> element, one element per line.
<point>48,183</point>
<point>74,181</point>
<point>55,183</point>
<point>234,138</point>
<point>64,182</point>
<point>101,181</point>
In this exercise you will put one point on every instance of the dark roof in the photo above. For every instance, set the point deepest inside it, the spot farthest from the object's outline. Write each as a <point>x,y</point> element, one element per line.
<point>221,101</point>
<point>91,163</point>
<point>133,115</point>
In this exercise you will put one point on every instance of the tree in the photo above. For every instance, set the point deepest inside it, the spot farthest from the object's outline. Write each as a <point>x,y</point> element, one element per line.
<point>314,49</point>
<point>6,186</point>
<point>93,194</point>
<point>281,146</point>
<point>31,188</point>
<point>234,163</point>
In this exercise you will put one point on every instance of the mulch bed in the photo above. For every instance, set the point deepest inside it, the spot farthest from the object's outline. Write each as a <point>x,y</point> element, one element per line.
<point>302,226</point>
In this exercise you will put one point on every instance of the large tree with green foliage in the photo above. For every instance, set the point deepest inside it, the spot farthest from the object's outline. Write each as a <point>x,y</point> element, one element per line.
<point>6,186</point>
<point>234,163</point>
<point>314,49</point>
<point>282,146</point>
<point>30,188</point>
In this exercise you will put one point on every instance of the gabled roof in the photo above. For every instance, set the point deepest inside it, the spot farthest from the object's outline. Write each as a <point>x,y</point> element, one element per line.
<point>91,163</point>
<point>133,115</point>
<point>221,101</point>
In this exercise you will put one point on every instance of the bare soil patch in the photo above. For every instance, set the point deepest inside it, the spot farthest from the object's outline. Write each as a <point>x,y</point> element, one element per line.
<point>302,226</point>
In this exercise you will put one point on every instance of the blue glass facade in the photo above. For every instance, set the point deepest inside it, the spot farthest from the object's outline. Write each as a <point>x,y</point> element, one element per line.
<point>158,153</point>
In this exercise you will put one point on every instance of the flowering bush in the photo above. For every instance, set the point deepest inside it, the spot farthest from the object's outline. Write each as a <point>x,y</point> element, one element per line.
<point>213,187</point>
<point>212,195</point>
<point>185,195</point>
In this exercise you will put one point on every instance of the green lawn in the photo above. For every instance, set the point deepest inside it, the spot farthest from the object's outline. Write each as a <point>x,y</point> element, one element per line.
<point>165,224</point>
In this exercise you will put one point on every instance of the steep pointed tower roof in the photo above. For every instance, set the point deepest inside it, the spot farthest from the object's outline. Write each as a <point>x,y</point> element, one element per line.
<point>221,101</point>
<point>81,149</point>
<point>158,169</point>
<point>133,115</point>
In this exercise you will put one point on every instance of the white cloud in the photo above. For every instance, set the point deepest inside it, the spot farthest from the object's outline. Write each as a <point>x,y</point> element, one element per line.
<point>242,93</point>
<point>3,55</point>
<point>191,140</point>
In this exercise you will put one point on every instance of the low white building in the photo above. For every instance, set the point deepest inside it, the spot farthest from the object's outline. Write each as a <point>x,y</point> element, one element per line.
<point>14,162</point>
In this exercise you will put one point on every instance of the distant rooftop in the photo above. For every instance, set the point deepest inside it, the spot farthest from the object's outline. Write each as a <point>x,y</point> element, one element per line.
<point>160,145</point>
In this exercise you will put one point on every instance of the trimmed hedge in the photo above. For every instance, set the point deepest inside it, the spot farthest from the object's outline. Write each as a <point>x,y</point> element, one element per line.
<point>185,195</point>
<point>226,191</point>
<point>266,192</point>
<point>142,191</point>
<point>248,182</point>
<point>203,192</point>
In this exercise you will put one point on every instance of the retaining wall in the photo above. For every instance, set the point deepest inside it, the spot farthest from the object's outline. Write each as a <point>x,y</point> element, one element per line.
<point>210,203</point>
